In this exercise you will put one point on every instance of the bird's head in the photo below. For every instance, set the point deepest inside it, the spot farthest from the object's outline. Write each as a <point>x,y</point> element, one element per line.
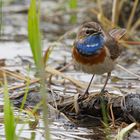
<point>89,28</point>
<point>90,39</point>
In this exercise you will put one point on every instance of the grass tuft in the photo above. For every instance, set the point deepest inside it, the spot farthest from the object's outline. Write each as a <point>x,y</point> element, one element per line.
<point>9,121</point>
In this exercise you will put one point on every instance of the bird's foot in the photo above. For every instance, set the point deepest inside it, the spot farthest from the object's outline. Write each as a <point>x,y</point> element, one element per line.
<point>100,99</point>
<point>85,95</point>
<point>103,91</point>
<point>97,103</point>
<point>78,98</point>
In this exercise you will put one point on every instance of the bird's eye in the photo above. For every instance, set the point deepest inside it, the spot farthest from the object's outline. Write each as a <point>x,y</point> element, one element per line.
<point>87,32</point>
<point>90,31</point>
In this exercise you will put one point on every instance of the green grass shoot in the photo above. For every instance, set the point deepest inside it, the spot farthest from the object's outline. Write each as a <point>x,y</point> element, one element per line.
<point>73,6</point>
<point>9,120</point>
<point>34,36</point>
<point>25,94</point>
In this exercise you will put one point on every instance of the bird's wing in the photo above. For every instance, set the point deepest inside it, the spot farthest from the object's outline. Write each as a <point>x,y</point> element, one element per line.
<point>112,42</point>
<point>117,33</point>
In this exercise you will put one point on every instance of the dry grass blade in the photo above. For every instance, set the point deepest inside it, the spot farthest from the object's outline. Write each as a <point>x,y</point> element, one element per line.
<point>56,72</point>
<point>121,67</point>
<point>135,26</point>
<point>20,86</point>
<point>124,131</point>
<point>13,74</point>
<point>100,6</point>
<point>46,55</point>
<point>115,11</point>
<point>132,15</point>
<point>70,135</point>
<point>121,5</point>
<point>107,24</point>
<point>104,20</point>
<point>76,105</point>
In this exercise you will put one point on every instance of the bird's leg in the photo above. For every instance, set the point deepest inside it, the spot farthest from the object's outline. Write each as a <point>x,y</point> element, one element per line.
<point>99,98</point>
<point>107,78</point>
<point>86,92</point>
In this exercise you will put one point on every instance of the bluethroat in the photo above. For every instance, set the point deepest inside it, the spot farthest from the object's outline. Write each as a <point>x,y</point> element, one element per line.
<point>95,51</point>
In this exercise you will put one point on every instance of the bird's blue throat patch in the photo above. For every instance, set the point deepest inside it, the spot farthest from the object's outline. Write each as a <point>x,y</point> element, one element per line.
<point>90,45</point>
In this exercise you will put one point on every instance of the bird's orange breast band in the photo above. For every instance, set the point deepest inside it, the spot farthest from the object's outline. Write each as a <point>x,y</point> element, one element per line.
<point>93,59</point>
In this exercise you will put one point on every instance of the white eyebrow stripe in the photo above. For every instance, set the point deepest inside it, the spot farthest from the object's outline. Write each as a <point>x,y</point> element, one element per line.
<point>89,29</point>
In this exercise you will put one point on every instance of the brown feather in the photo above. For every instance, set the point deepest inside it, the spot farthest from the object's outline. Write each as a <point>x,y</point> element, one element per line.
<point>117,33</point>
<point>112,42</point>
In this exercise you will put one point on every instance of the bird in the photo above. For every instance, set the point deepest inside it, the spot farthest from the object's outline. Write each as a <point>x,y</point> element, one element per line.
<point>95,51</point>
